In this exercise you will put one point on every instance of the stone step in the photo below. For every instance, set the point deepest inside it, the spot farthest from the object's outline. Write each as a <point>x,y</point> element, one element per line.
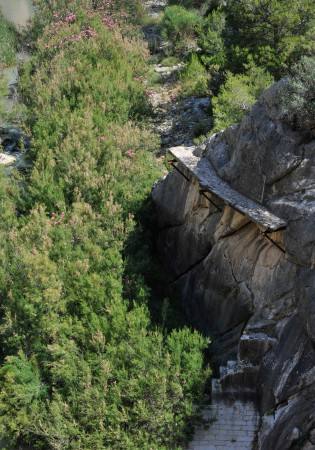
<point>242,378</point>
<point>229,368</point>
<point>229,425</point>
<point>253,346</point>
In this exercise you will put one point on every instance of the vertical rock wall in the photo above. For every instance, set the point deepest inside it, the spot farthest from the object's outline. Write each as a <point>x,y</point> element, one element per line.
<point>255,300</point>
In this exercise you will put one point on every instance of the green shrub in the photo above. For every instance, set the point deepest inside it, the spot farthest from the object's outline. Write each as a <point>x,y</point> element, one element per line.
<point>211,41</point>
<point>82,365</point>
<point>237,95</point>
<point>297,97</point>
<point>194,78</point>
<point>170,61</point>
<point>7,43</point>
<point>180,26</point>
<point>275,32</point>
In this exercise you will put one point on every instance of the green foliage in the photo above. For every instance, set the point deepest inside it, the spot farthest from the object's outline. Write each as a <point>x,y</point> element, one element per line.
<point>82,365</point>
<point>275,32</point>
<point>7,42</point>
<point>211,41</point>
<point>180,26</point>
<point>237,95</point>
<point>122,13</point>
<point>170,61</point>
<point>194,78</point>
<point>297,96</point>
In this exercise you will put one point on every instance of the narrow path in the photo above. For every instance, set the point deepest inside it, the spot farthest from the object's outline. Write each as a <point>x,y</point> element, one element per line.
<point>233,421</point>
<point>177,120</point>
<point>208,179</point>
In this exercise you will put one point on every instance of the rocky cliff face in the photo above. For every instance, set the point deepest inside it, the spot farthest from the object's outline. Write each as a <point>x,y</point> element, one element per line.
<point>256,298</point>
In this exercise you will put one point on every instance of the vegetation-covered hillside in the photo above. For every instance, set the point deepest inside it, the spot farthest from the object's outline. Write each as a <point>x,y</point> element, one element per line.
<point>83,366</point>
<point>235,49</point>
<point>85,361</point>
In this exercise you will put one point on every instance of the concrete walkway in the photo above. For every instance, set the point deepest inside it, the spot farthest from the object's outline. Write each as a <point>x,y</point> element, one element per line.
<point>232,423</point>
<point>209,181</point>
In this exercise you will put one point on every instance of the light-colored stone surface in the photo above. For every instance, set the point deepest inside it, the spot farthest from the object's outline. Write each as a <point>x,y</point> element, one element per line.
<point>7,159</point>
<point>233,427</point>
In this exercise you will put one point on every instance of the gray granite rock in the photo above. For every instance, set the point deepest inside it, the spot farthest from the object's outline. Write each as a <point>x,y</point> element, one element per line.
<point>256,299</point>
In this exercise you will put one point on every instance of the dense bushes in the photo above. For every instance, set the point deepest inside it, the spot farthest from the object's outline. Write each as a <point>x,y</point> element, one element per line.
<point>211,42</point>
<point>194,79</point>
<point>273,33</point>
<point>228,36</point>
<point>128,13</point>
<point>82,365</point>
<point>276,33</point>
<point>237,96</point>
<point>180,26</point>
<point>297,96</point>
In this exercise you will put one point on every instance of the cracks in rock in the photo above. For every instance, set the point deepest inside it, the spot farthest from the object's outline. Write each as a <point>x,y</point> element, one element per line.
<point>240,282</point>
<point>289,196</point>
<point>233,232</point>
<point>230,330</point>
<point>172,163</point>
<point>286,401</point>
<point>211,213</point>
<point>289,170</point>
<point>273,242</point>
<point>286,173</point>
<point>195,264</point>
<point>203,193</point>
<point>191,267</point>
<point>232,270</point>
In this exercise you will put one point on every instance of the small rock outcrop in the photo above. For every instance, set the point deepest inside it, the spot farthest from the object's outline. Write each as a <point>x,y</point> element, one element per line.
<point>253,293</point>
<point>14,145</point>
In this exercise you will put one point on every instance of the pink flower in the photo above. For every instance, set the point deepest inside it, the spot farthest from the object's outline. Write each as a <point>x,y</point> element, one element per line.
<point>70,18</point>
<point>108,22</point>
<point>130,153</point>
<point>89,32</point>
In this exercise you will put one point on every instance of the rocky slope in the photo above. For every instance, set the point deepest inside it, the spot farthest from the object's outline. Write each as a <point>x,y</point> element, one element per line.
<point>255,297</point>
<point>176,119</point>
